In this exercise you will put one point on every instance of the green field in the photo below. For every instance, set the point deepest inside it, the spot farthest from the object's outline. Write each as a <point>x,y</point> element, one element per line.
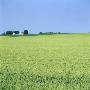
<point>45,62</point>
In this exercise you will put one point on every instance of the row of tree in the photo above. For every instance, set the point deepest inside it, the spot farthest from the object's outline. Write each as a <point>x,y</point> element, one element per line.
<point>25,32</point>
<point>15,32</point>
<point>49,32</point>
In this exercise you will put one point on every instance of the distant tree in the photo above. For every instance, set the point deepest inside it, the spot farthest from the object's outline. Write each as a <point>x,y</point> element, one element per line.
<point>49,32</point>
<point>59,32</point>
<point>25,32</point>
<point>9,32</point>
<point>16,32</point>
<point>40,32</point>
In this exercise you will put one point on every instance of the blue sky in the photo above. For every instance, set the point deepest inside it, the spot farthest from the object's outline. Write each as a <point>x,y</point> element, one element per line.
<point>45,15</point>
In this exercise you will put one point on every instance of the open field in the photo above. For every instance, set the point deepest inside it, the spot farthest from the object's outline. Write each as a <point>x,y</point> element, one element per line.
<point>45,62</point>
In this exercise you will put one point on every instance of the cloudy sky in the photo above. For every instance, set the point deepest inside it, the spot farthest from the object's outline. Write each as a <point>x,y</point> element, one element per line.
<point>45,15</point>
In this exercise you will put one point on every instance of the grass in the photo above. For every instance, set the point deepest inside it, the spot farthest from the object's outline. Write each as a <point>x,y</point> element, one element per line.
<point>45,62</point>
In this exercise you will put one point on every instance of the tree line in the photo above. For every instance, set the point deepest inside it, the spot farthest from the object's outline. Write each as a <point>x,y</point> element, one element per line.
<point>25,32</point>
<point>15,33</point>
<point>49,33</point>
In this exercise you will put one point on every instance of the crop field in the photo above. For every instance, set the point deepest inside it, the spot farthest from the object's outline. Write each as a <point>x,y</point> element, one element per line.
<point>45,62</point>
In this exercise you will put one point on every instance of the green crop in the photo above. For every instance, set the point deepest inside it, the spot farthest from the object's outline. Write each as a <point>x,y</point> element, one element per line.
<point>45,62</point>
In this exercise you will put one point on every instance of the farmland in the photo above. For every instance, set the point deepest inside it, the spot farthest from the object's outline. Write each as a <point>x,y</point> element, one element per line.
<point>45,62</point>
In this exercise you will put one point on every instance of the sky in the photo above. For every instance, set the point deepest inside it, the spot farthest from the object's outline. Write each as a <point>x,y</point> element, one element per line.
<point>45,15</point>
